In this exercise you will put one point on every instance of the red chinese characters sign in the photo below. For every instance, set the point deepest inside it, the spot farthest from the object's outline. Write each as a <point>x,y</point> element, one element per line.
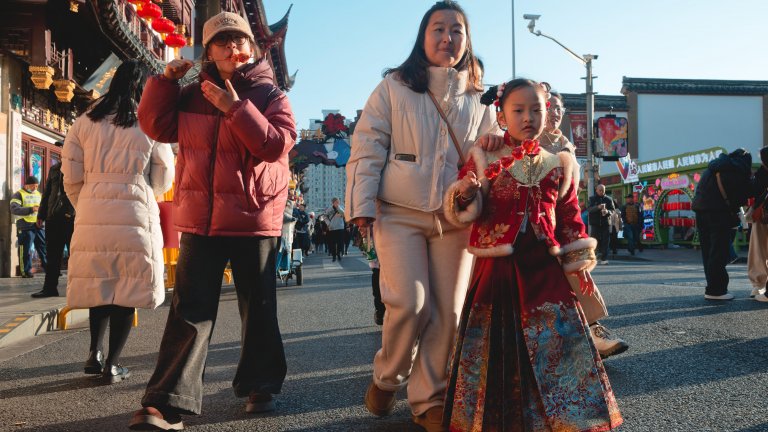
<point>579,133</point>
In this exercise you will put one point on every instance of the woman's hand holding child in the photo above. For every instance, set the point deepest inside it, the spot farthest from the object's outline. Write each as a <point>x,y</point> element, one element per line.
<point>468,187</point>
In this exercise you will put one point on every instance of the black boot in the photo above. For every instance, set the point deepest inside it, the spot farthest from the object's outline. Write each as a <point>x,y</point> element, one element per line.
<point>45,293</point>
<point>115,373</point>
<point>95,363</point>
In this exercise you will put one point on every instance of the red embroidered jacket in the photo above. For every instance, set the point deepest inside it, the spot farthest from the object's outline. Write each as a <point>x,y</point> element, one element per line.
<point>540,184</point>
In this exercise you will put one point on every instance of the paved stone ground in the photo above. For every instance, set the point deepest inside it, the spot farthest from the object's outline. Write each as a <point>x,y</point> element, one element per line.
<point>692,366</point>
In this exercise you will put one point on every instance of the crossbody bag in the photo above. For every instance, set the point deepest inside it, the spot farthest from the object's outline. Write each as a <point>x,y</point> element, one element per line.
<point>440,111</point>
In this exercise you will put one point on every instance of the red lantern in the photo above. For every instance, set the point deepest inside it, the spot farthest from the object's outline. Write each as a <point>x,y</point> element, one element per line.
<point>163,26</point>
<point>175,40</point>
<point>150,11</point>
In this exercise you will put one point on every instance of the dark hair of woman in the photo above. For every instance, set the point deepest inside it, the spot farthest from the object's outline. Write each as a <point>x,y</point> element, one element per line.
<point>123,95</point>
<point>490,96</point>
<point>413,72</point>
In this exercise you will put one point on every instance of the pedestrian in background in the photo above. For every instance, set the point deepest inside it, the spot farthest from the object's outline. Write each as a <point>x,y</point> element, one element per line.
<point>724,187</point>
<point>600,208</point>
<point>757,257</point>
<point>235,129</point>
<point>112,173</point>
<point>632,217</point>
<point>616,228</point>
<point>593,305</point>
<point>58,215</point>
<point>25,204</point>
<point>336,229</point>
<point>415,130</point>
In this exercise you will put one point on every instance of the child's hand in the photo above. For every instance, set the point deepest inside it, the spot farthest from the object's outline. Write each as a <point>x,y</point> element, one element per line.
<point>586,283</point>
<point>469,186</point>
<point>490,142</point>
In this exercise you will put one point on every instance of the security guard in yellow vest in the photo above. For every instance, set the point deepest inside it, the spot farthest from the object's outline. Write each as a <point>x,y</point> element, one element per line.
<point>24,204</point>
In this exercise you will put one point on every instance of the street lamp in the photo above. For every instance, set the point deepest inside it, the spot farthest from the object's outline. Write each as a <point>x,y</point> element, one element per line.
<point>586,60</point>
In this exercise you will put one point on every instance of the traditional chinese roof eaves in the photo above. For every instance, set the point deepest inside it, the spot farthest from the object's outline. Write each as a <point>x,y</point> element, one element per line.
<point>693,86</point>
<point>127,43</point>
<point>271,38</point>
<point>578,102</point>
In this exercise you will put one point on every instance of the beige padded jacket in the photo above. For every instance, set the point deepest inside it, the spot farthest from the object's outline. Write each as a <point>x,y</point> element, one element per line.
<point>402,152</point>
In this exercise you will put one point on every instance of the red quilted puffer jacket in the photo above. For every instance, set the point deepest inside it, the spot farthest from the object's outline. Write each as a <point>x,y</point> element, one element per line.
<point>232,168</point>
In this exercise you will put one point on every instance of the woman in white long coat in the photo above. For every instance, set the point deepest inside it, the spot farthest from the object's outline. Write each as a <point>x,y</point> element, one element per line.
<point>112,173</point>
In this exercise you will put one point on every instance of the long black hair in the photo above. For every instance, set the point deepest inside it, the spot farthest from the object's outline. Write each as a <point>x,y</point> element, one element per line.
<point>491,95</point>
<point>123,95</point>
<point>413,71</point>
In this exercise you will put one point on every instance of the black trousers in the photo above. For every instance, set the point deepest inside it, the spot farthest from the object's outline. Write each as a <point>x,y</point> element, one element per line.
<point>602,235</point>
<point>336,242</point>
<point>58,234</point>
<point>715,238</point>
<point>178,378</point>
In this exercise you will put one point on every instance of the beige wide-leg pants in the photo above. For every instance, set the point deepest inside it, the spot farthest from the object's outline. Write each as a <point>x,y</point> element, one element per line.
<point>424,279</point>
<point>757,266</point>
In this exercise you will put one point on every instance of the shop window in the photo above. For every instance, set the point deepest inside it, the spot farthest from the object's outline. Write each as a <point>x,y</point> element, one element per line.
<point>37,157</point>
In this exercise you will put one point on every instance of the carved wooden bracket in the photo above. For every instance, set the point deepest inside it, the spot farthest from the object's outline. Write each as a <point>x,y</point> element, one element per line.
<point>42,76</point>
<point>65,90</point>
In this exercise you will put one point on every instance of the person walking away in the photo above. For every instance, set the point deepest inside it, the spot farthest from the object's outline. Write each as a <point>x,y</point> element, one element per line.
<point>600,208</point>
<point>523,359</point>
<point>302,229</point>
<point>725,186</point>
<point>25,204</point>
<point>58,215</point>
<point>616,227</point>
<point>112,172</point>
<point>553,141</point>
<point>336,225</point>
<point>757,256</point>
<point>415,129</point>
<point>632,217</point>
<point>235,129</point>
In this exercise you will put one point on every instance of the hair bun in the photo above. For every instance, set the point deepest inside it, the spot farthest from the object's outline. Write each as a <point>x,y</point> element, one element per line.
<point>489,96</point>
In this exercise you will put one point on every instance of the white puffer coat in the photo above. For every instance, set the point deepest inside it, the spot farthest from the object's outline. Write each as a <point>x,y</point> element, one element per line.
<point>402,152</point>
<point>111,176</point>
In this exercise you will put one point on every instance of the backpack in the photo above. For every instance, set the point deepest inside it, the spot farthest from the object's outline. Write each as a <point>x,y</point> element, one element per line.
<point>58,203</point>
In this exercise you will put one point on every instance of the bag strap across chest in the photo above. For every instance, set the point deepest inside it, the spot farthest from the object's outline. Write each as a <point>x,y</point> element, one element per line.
<point>440,111</point>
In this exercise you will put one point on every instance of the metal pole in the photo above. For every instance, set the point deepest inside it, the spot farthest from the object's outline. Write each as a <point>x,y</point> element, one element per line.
<point>589,170</point>
<point>513,39</point>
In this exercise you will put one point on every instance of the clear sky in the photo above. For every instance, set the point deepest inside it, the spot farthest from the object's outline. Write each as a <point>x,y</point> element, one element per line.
<point>341,47</point>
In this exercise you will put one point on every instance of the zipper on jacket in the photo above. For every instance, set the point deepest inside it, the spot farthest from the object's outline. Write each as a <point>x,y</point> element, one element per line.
<point>213,169</point>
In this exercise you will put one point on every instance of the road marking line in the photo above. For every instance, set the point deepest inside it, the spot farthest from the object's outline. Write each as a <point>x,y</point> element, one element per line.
<point>5,330</point>
<point>21,318</point>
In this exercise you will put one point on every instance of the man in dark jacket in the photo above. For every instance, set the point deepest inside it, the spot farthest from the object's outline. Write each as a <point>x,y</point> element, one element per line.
<point>725,186</point>
<point>600,209</point>
<point>632,216</point>
<point>59,217</point>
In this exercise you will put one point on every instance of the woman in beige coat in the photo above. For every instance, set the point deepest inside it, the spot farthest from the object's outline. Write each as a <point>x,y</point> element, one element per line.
<point>403,160</point>
<point>112,173</point>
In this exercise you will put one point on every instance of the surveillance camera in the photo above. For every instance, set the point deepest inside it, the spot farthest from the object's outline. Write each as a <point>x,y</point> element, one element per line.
<point>531,17</point>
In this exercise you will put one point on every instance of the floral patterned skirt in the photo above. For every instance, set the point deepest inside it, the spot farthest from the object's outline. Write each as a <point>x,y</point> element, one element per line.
<point>523,359</point>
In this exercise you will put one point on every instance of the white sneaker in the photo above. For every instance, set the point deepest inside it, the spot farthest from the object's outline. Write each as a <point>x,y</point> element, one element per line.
<point>605,344</point>
<point>726,296</point>
<point>761,298</point>
<point>756,291</point>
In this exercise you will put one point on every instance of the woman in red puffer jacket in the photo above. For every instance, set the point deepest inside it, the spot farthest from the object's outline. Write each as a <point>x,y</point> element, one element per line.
<point>234,129</point>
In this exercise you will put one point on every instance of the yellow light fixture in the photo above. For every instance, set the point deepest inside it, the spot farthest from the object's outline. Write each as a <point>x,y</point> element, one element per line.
<point>65,90</point>
<point>42,76</point>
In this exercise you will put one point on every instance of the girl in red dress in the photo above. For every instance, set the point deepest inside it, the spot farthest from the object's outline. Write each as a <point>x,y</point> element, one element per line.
<point>524,360</point>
